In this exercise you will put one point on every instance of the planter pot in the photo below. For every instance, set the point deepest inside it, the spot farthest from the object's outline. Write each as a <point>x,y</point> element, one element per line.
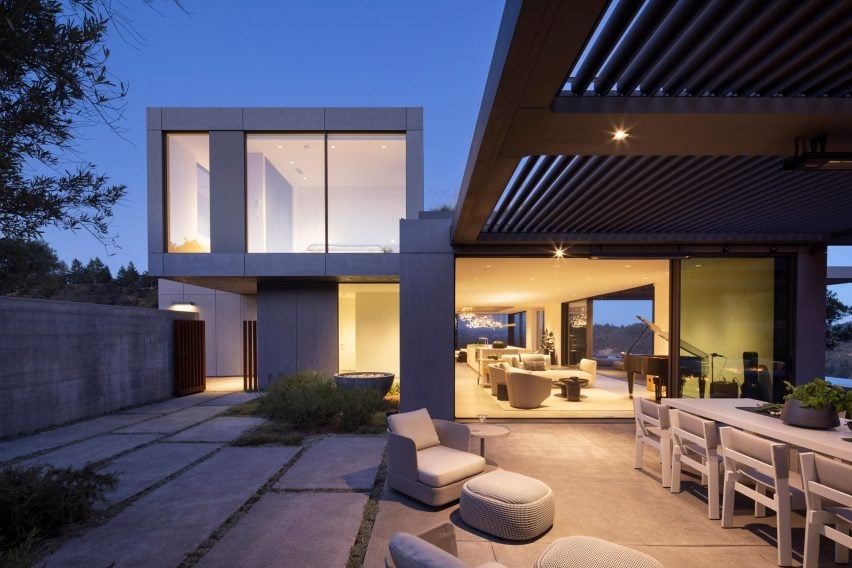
<point>378,381</point>
<point>822,419</point>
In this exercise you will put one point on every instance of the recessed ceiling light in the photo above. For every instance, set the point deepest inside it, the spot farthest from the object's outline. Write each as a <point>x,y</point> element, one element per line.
<point>589,278</point>
<point>559,252</point>
<point>384,146</point>
<point>626,266</point>
<point>620,135</point>
<point>280,146</point>
<point>292,161</point>
<point>306,177</point>
<point>333,146</point>
<point>698,265</point>
<point>487,266</point>
<point>532,278</point>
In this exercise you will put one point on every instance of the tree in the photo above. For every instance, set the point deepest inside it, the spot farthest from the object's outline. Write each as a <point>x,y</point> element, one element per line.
<point>127,276</point>
<point>97,272</point>
<point>836,331</point>
<point>53,79</point>
<point>29,268</point>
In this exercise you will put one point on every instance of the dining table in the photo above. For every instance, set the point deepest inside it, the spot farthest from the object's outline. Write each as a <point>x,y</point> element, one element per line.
<point>836,442</point>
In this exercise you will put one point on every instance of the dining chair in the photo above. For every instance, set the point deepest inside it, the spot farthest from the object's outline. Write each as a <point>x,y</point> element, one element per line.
<point>652,429</point>
<point>828,493</point>
<point>755,466</point>
<point>694,443</point>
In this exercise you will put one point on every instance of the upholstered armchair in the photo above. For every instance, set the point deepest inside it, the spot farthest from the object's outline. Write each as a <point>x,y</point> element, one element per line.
<point>589,367</point>
<point>429,459</point>
<point>497,372</point>
<point>527,390</point>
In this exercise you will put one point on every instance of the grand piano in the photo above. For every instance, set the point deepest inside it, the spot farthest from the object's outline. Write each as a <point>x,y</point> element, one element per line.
<point>658,365</point>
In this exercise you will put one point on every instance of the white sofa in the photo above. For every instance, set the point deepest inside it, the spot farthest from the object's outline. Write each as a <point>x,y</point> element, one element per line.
<point>539,364</point>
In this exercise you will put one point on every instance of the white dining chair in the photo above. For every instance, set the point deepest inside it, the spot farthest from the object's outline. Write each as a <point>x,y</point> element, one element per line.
<point>754,467</point>
<point>828,493</point>
<point>652,429</point>
<point>694,443</point>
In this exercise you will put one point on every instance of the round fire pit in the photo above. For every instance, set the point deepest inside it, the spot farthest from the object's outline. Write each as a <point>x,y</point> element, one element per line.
<point>376,380</point>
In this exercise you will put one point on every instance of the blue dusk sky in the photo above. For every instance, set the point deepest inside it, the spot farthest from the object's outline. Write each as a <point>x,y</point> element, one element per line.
<point>271,53</point>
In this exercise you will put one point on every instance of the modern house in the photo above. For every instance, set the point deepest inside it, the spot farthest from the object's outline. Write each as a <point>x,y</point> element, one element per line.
<point>692,158</point>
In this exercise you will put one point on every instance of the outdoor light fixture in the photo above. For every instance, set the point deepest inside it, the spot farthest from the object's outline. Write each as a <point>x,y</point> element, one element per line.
<point>559,252</point>
<point>183,307</point>
<point>619,135</point>
<point>810,155</point>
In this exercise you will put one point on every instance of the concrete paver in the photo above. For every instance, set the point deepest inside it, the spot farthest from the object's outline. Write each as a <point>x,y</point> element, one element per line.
<point>232,399</point>
<point>64,435</point>
<point>163,527</point>
<point>292,529</point>
<point>222,429</point>
<point>337,462</point>
<point>91,450</point>
<point>175,421</point>
<point>178,403</point>
<point>139,470</point>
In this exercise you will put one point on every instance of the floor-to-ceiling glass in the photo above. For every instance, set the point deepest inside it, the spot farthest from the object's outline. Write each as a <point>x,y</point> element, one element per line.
<point>368,327</point>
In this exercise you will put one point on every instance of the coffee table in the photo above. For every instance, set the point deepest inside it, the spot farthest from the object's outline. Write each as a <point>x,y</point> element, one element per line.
<point>485,431</point>
<point>571,387</point>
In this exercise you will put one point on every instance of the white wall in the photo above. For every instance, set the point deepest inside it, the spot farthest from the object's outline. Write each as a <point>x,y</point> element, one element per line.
<point>377,335</point>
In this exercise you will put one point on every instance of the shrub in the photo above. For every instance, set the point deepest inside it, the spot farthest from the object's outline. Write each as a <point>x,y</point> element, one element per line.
<point>35,502</point>
<point>310,401</point>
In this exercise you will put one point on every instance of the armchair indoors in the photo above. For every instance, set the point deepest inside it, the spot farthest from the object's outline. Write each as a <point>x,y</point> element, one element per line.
<point>527,390</point>
<point>429,459</point>
<point>498,376</point>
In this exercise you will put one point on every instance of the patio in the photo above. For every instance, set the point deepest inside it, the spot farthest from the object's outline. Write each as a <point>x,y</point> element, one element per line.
<point>187,497</point>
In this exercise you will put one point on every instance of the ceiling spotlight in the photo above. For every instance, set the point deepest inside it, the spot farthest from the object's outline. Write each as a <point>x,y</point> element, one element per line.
<point>620,135</point>
<point>559,252</point>
<point>292,161</point>
<point>384,146</point>
<point>280,146</point>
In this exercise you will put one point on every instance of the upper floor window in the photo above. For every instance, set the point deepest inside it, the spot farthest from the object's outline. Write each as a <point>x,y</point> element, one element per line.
<point>285,192</point>
<point>188,190</point>
<point>366,192</point>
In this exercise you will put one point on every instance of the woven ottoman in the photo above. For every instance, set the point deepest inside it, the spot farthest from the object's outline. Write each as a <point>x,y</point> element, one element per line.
<point>508,505</point>
<point>590,552</point>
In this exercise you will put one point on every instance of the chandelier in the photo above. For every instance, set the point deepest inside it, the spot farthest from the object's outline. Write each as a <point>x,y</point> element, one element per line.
<point>479,321</point>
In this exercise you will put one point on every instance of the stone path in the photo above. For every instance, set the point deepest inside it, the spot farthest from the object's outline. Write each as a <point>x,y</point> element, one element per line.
<point>185,497</point>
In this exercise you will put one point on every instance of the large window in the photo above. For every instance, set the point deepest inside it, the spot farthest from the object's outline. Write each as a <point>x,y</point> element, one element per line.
<point>369,327</point>
<point>366,192</point>
<point>188,189</point>
<point>285,193</point>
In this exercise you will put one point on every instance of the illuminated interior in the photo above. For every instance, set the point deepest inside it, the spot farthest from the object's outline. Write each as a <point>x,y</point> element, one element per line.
<point>188,188</point>
<point>368,327</point>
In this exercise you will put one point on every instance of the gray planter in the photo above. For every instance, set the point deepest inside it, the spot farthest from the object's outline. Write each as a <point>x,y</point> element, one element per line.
<point>819,419</point>
<point>378,381</point>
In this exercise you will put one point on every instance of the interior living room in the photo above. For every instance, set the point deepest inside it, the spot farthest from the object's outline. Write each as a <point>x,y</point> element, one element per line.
<point>574,315</point>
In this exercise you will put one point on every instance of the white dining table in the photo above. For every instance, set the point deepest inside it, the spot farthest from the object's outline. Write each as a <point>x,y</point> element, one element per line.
<point>828,442</point>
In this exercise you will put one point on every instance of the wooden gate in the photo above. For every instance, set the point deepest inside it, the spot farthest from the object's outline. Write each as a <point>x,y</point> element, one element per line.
<point>190,371</point>
<point>249,355</point>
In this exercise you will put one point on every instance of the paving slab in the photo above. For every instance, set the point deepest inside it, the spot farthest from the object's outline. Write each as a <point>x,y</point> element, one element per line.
<point>141,469</point>
<point>91,450</point>
<point>177,403</point>
<point>337,462</point>
<point>175,421</point>
<point>232,399</point>
<point>292,529</point>
<point>164,526</point>
<point>64,435</point>
<point>222,429</point>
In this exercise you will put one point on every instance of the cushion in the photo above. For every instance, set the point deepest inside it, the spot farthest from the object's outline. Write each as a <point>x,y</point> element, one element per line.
<point>535,366</point>
<point>508,487</point>
<point>408,551</point>
<point>590,552</point>
<point>416,425</point>
<point>439,465</point>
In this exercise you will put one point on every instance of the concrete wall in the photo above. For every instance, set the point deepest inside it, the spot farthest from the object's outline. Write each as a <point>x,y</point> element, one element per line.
<point>809,317</point>
<point>427,306</point>
<point>64,361</point>
<point>223,313</point>
<point>297,328</point>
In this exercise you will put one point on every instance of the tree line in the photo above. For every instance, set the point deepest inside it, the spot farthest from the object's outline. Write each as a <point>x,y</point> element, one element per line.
<point>31,269</point>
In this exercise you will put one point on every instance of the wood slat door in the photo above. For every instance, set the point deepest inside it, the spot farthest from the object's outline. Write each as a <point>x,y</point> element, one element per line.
<point>190,370</point>
<point>249,355</point>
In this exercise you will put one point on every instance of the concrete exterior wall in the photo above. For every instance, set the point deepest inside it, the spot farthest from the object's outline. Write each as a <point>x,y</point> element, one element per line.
<point>427,305</point>
<point>223,313</point>
<point>297,326</point>
<point>809,317</point>
<point>63,361</point>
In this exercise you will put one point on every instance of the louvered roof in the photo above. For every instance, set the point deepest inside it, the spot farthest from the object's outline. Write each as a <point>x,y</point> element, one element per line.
<point>713,95</point>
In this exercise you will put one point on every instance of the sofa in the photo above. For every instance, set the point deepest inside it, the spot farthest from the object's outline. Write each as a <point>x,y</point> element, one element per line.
<point>539,364</point>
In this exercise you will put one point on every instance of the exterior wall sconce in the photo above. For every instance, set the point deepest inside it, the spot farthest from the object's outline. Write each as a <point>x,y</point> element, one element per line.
<point>183,307</point>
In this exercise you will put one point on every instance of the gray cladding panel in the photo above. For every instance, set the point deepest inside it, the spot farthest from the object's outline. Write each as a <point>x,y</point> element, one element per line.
<point>227,192</point>
<point>156,193</point>
<point>203,264</point>
<point>317,337</point>
<point>154,118</point>
<point>284,264</point>
<point>202,119</point>
<point>155,264</point>
<point>283,119</point>
<point>365,119</point>
<point>414,118</point>
<point>413,173</point>
<point>427,304</point>
<point>354,264</point>
<point>426,235</point>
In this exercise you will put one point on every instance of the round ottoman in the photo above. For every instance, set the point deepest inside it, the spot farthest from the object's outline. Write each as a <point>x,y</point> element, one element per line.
<point>590,552</point>
<point>508,505</point>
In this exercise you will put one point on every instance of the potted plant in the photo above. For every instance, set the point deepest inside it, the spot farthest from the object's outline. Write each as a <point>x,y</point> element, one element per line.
<point>499,345</point>
<point>548,343</point>
<point>815,404</point>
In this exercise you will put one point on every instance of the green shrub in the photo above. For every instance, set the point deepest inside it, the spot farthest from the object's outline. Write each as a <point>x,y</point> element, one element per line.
<point>310,401</point>
<point>35,502</point>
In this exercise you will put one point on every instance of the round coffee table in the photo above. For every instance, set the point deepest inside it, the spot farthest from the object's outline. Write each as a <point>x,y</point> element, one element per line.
<point>485,431</point>
<point>571,387</point>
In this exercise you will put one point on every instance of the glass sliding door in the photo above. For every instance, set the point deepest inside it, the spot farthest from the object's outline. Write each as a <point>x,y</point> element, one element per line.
<point>734,331</point>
